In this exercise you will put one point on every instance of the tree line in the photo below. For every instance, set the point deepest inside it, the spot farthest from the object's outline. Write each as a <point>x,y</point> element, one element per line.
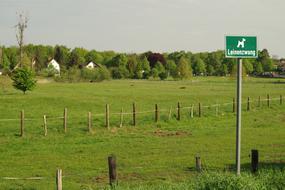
<point>179,65</point>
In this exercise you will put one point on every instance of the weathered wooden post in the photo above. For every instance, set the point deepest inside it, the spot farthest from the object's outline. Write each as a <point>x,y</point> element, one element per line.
<point>45,125</point>
<point>281,100</point>
<point>198,164</point>
<point>254,160</point>
<point>134,114</point>
<point>112,170</point>
<point>234,105</point>
<point>178,112</point>
<point>217,109</point>
<point>200,110</point>
<point>107,116</point>
<point>170,113</point>
<point>248,104</point>
<point>59,179</point>
<point>156,113</point>
<point>22,123</point>
<point>268,100</point>
<point>65,120</point>
<point>121,117</point>
<point>192,111</point>
<point>89,122</point>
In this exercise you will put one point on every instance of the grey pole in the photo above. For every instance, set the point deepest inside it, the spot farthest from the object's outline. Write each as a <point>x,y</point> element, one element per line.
<point>238,116</point>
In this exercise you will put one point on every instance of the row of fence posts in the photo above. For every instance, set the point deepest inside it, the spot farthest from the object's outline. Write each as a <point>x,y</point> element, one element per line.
<point>134,114</point>
<point>112,167</point>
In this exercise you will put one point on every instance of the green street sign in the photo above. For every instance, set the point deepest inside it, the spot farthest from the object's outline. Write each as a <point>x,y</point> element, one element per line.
<point>241,47</point>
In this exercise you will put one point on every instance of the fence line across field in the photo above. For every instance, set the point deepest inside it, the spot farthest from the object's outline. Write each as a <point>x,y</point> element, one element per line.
<point>198,112</point>
<point>141,112</point>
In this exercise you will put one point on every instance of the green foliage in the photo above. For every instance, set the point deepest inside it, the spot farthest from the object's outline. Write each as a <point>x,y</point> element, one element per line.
<point>170,68</point>
<point>133,65</point>
<point>184,71</point>
<point>154,72</point>
<point>23,79</point>
<point>248,66</point>
<point>62,55</point>
<point>259,69</point>
<point>159,67</point>
<point>199,67</point>
<point>96,74</point>
<point>162,75</point>
<point>77,57</point>
<point>264,59</point>
<point>50,71</point>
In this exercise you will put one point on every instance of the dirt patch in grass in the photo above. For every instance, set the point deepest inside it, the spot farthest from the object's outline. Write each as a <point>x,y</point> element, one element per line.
<point>161,133</point>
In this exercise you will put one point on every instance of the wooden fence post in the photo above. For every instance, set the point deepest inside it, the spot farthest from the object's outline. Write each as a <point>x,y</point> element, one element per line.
<point>45,125</point>
<point>254,160</point>
<point>234,105</point>
<point>178,112</point>
<point>156,113</point>
<point>281,100</point>
<point>248,104</point>
<point>121,118</point>
<point>107,116</point>
<point>89,122</point>
<point>170,113</point>
<point>59,179</point>
<point>112,170</point>
<point>200,111</point>
<point>65,120</point>
<point>198,164</point>
<point>217,109</point>
<point>268,100</point>
<point>259,101</point>
<point>134,114</point>
<point>22,123</point>
<point>192,111</point>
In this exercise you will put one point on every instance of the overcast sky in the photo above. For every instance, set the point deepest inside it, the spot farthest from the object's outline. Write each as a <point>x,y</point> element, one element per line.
<point>142,25</point>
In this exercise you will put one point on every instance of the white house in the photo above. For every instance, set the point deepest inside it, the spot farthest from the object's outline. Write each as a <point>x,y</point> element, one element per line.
<point>55,65</point>
<point>92,65</point>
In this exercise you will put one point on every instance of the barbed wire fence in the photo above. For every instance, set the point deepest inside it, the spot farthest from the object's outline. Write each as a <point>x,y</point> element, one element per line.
<point>194,110</point>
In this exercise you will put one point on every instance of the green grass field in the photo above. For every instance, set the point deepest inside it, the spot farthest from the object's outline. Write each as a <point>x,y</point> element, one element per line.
<point>154,155</point>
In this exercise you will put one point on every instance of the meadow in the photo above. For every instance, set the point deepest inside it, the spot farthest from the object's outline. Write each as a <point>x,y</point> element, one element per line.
<point>149,155</point>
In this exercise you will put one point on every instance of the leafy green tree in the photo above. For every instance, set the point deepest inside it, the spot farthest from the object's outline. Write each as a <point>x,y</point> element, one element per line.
<point>183,71</point>
<point>210,70</point>
<point>62,55</point>
<point>259,69</point>
<point>265,60</point>
<point>133,66</point>
<point>162,75</point>
<point>94,56</point>
<point>248,66</point>
<point>199,66</point>
<point>23,79</point>
<point>77,57</point>
<point>160,68</point>
<point>154,72</point>
<point>224,70</point>
<point>170,68</point>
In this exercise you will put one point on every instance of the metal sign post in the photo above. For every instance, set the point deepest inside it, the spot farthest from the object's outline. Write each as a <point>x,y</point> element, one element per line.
<point>240,47</point>
<point>238,117</point>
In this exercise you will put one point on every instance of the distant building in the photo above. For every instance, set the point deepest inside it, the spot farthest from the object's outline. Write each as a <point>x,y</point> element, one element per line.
<point>92,65</point>
<point>53,63</point>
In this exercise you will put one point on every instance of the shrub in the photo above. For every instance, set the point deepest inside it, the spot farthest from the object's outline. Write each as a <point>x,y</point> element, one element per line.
<point>23,79</point>
<point>163,75</point>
